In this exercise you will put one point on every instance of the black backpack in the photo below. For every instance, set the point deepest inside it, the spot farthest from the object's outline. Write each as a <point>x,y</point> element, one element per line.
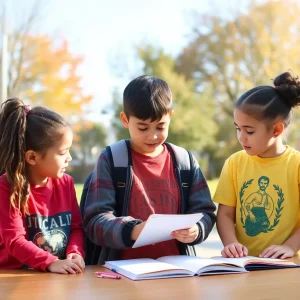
<point>121,163</point>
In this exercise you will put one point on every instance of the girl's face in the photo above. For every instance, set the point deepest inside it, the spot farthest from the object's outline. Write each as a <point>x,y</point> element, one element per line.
<point>54,163</point>
<point>254,136</point>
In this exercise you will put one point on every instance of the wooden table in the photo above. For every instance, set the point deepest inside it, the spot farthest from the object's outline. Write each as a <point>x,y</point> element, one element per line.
<point>29,284</point>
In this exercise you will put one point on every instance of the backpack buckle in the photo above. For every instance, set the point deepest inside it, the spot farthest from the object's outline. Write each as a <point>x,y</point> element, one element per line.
<point>121,184</point>
<point>185,185</point>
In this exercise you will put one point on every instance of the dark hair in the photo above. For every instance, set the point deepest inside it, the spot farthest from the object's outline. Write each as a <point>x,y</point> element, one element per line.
<point>268,103</point>
<point>147,97</point>
<point>24,129</point>
<point>263,178</point>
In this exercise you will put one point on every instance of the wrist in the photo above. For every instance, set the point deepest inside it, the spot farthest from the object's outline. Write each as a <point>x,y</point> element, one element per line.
<point>127,232</point>
<point>295,248</point>
<point>200,236</point>
<point>49,265</point>
<point>134,233</point>
<point>74,253</point>
<point>231,241</point>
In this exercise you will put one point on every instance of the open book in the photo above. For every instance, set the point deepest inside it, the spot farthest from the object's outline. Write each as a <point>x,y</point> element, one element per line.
<point>184,266</point>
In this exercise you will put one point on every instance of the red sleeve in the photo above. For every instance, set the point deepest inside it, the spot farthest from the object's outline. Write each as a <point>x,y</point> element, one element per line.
<point>13,234</point>
<point>76,241</point>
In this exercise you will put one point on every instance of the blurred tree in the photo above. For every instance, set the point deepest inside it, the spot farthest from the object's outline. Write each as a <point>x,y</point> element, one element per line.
<point>43,70</point>
<point>235,54</point>
<point>89,140</point>
<point>117,106</point>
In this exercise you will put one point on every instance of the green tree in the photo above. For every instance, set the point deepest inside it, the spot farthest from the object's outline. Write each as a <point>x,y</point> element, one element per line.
<point>89,140</point>
<point>117,106</point>
<point>233,55</point>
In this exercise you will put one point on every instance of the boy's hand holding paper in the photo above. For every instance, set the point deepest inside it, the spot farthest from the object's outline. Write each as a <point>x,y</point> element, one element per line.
<point>137,229</point>
<point>159,228</point>
<point>188,235</point>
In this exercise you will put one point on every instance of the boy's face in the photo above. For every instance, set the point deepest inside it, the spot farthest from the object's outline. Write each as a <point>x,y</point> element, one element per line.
<point>147,137</point>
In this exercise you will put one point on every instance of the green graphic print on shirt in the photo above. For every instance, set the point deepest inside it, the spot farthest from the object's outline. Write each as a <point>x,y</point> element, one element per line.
<point>258,209</point>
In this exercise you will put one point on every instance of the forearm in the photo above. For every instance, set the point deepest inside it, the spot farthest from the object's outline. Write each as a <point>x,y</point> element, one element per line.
<point>29,254</point>
<point>101,224</point>
<point>109,231</point>
<point>226,229</point>
<point>14,238</point>
<point>294,241</point>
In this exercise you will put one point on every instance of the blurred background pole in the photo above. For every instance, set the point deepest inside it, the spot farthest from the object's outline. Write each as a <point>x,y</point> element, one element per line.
<point>4,64</point>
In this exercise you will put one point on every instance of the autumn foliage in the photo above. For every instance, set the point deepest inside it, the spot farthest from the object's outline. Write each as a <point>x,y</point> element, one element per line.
<point>43,71</point>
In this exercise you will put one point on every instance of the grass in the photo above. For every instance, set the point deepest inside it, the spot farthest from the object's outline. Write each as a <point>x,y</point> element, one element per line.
<point>211,183</point>
<point>78,190</point>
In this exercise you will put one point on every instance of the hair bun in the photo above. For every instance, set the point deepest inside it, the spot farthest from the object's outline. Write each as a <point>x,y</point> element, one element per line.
<point>289,88</point>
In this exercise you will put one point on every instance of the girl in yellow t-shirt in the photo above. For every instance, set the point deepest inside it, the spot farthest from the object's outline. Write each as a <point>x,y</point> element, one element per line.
<point>258,190</point>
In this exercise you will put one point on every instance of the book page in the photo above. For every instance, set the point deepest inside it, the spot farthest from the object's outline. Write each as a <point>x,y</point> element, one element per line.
<point>240,261</point>
<point>140,265</point>
<point>244,261</point>
<point>158,227</point>
<point>194,263</point>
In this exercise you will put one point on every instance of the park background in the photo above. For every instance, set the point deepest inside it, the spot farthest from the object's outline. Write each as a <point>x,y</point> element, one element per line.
<point>76,57</point>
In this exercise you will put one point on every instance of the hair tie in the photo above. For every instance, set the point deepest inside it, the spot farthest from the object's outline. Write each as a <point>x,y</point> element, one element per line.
<point>27,109</point>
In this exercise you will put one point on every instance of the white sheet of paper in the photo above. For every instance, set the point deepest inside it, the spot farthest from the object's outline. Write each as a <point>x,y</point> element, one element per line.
<point>158,227</point>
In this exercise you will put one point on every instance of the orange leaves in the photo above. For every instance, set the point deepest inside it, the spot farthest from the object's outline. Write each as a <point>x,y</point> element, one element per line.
<point>48,75</point>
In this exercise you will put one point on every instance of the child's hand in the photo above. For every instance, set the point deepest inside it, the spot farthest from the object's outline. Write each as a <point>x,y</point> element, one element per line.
<point>233,250</point>
<point>137,230</point>
<point>64,266</point>
<point>186,235</point>
<point>278,251</point>
<point>77,259</point>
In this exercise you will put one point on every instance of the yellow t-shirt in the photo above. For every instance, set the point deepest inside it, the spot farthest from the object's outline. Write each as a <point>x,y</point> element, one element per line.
<point>265,192</point>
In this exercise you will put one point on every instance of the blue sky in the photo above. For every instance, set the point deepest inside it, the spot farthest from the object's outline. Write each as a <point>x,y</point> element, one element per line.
<point>105,33</point>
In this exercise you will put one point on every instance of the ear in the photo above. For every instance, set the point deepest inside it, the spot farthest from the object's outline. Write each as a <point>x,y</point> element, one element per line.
<point>31,157</point>
<point>171,113</point>
<point>278,129</point>
<point>124,119</point>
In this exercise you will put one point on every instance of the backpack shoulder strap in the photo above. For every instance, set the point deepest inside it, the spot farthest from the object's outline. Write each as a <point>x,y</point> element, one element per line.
<point>183,161</point>
<point>119,155</point>
<point>91,250</point>
<point>182,156</point>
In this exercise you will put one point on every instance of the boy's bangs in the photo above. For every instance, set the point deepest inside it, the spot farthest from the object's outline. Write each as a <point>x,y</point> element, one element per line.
<point>154,109</point>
